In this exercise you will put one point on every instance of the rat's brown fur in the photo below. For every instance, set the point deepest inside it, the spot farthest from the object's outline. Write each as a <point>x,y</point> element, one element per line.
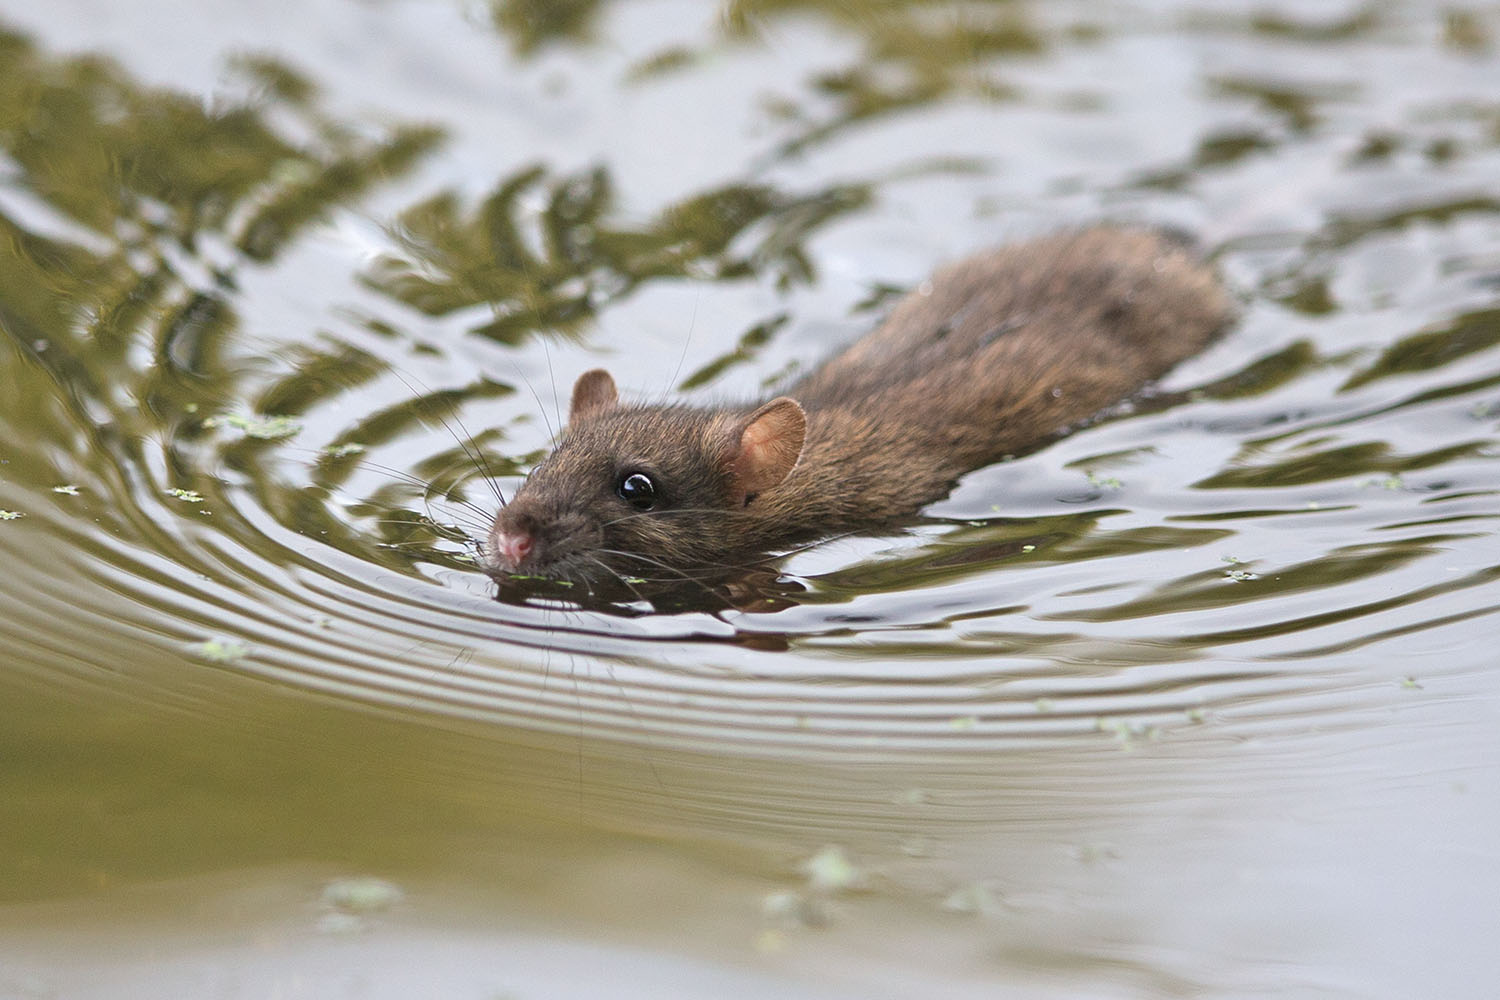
<point>995,354</point>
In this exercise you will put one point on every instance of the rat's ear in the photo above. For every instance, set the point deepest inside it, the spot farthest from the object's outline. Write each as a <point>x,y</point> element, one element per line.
<point>594,391</point>
<point>766,449</point>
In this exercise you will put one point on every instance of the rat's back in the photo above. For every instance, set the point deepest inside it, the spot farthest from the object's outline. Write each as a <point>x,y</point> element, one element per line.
<point>1009,346</point>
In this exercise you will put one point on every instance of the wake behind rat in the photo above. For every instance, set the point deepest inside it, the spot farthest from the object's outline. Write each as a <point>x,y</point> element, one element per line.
<point>995,354</point>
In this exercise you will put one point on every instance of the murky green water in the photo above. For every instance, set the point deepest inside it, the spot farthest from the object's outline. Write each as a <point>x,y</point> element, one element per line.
<point>1201,701</point>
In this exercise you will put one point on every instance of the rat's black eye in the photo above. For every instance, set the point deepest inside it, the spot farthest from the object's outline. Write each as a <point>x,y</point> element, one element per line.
<point>637,489</point>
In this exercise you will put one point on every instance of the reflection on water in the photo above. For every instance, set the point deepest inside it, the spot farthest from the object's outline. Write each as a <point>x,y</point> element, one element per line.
<point>448,263</point>
<point>268,355</point>
<point>530,24</point>
<point>912,55</point>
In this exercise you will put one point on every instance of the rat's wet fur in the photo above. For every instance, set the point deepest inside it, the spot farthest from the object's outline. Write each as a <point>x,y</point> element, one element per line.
<point>994,355</point>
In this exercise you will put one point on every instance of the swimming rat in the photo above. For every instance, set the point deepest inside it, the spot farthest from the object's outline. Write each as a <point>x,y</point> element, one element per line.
<point>995,354</point>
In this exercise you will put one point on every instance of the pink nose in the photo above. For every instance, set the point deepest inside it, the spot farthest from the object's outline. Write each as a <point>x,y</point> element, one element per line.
<point>513,547</point>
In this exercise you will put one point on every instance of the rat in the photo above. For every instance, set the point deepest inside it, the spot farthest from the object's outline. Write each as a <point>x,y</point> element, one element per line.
<point>995,354</point>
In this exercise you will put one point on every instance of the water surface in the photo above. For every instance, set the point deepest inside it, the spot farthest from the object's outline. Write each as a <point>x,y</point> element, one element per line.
<point>1197,701</point>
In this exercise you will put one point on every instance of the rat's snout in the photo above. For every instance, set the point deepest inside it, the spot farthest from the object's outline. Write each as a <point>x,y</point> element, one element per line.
<point>512,547</point>
<point>513,542</point>
<point>536,538</point>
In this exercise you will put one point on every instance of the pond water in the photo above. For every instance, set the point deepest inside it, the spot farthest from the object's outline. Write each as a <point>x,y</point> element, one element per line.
<point>1199,701</point>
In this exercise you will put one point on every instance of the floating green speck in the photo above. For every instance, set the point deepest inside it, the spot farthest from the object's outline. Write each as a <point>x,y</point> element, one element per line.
<point>344,450</point>
<point>223,650</point>
<point>361,895</point>
<point>67,491</point>
<point>977,899</point>
<point>1411,684</point>
<point>830,870</point>
<point>542,579</point>
<point>964,722</point>
<point>11,515</point>
<point>264,428</point>
<point>1128,732</point>
<point>793,909</point>
<point>1104,482</point>
<point>186,496</point>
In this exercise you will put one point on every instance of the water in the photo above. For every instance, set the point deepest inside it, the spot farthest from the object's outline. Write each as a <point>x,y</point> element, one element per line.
<point>1198,701</point>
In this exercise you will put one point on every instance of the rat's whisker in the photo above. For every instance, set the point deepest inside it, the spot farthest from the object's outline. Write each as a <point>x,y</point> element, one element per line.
<point>663,513</point>
<point>428,487</point>
<point>677,573</point>
<point>465,443</point>
<point>618,577</point>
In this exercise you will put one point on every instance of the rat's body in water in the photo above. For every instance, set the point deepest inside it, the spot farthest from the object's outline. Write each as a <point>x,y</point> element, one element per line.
<point>995,354</point>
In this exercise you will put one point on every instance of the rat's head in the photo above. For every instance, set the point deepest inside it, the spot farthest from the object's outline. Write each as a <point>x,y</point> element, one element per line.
<point>643,491</point>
